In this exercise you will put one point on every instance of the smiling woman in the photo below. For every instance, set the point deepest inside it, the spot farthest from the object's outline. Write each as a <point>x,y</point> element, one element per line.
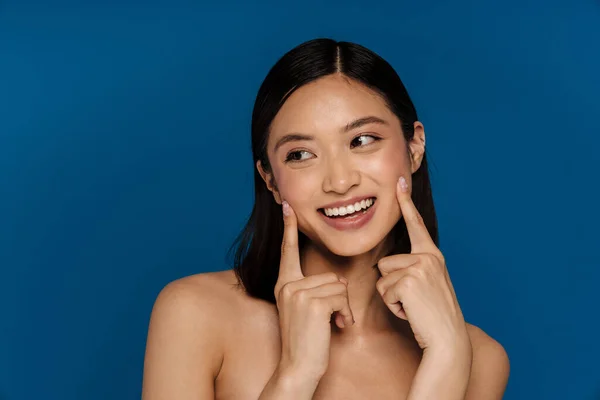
<point>339,289</point>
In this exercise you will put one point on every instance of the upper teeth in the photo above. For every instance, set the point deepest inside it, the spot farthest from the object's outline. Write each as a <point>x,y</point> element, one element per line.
<point>352,208</point>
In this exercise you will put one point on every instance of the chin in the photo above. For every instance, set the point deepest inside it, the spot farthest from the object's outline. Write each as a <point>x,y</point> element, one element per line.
<point>351,249</point>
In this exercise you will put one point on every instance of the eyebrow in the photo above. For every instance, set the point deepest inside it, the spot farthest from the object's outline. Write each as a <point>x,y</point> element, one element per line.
<point>296,137</point>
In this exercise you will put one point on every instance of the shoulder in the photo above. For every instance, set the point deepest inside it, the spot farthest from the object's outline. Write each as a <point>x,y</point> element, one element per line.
<point>213,297</point>
<point>490,368</point>
<point>486,348</point>
<point>194,290</point>
<point>185,337</point>
<point>202,298</point>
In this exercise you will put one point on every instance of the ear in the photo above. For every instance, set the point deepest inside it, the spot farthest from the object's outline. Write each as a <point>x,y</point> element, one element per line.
<point>417,147</point>
<point>269,181</point>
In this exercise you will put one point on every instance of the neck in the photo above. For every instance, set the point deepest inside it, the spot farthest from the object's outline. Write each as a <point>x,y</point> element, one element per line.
<point>370,312</point>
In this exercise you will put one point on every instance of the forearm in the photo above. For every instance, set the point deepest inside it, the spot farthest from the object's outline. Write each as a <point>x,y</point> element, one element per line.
<point>289,385</point>
<point>443,375</point>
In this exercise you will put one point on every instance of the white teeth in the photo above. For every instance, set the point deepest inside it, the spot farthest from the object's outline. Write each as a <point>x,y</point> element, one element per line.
<point>349,209</point>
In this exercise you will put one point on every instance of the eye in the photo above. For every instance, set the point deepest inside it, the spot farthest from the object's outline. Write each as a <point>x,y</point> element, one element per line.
<point>363,140</point>
<point>297,155</point>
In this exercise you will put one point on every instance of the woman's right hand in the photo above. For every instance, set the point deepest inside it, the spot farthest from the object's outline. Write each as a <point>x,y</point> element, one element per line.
<point>305,306</point>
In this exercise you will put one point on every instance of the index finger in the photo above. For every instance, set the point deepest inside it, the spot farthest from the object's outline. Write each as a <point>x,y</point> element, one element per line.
<point>420,239</point>
<point>289,265</point>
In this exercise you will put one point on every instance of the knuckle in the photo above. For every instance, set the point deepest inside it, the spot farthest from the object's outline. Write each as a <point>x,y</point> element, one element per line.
<point>301,296</point>
<point>379,285</point>
<point>430,258</point>
<point>417,271</point>
<point>433,261</point>
<point>277,290</point>
<point>407,283</point>
<point>440,257</point>
<point>393,294</point>
<point>385,264</point>
<point>287,290</point>
<point>424,259</point>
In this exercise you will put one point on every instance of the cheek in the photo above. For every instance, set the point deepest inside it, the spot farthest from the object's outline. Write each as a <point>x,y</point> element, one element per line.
<point>296,187</point>
<point>386,165</point>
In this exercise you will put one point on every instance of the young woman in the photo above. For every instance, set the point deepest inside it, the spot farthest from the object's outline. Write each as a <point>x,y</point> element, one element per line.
<point>339,290</point>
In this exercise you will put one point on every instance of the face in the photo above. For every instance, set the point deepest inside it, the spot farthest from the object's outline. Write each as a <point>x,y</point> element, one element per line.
<point>335,147</point>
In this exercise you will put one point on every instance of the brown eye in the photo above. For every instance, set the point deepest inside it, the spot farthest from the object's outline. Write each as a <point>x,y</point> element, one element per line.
<point>362,140</point>
<point>298,155</point>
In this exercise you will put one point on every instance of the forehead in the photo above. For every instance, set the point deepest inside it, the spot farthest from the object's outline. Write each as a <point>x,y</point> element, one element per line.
<point>328,104</point>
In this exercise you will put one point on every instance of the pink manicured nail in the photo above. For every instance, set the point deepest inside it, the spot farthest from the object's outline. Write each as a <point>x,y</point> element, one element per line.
<point>286,208</point>
<point>403,185</point>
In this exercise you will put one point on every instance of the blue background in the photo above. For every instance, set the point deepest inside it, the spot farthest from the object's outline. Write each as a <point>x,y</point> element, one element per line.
<point>125,163</point>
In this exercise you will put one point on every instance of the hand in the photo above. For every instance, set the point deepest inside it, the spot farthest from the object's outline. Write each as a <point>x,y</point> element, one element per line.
<point>305,306</point>
<point>416,286</point>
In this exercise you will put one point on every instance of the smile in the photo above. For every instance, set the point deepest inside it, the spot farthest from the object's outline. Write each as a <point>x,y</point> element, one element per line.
<point>349,217</point>
<point>350,209</point>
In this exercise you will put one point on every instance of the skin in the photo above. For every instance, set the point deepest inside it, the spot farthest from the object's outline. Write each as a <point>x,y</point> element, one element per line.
<point>409,339</point>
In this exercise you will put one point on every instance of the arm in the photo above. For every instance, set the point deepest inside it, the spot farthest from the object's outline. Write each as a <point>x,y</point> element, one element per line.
<point>491,367</point>
<point>443,374</point>
<point>476,373</point>
<point>183,350</point>
<point>289,385</point>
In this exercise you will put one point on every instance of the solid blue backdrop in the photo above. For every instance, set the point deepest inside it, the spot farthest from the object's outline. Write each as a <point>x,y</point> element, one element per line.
<point>125,164</point>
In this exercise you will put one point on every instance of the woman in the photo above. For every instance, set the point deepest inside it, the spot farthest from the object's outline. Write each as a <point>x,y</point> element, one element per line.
<point>339,290</point>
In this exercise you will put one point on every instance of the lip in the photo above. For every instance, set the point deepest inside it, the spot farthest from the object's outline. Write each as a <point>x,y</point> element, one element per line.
<point>356,199</point>
<point>351,223</point>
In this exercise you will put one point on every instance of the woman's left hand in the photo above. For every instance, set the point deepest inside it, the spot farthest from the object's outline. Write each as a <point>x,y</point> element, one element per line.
<point>416,286</point>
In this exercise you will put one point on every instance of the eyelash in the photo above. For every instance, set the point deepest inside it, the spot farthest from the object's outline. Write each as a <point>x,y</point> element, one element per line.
<point>288,157</point>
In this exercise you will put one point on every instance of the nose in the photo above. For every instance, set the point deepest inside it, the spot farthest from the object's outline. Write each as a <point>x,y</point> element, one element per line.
<point>340,176</point>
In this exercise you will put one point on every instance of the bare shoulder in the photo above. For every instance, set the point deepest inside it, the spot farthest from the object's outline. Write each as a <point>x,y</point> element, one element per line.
<point>486,348</point>
<point>490,368</point>
<point>185,345</point>
<point>208,297</point>
<point>213,298</point>
<point>217,288</point>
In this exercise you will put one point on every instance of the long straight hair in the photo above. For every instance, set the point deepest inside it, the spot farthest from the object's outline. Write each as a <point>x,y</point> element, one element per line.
<point>257,249</point>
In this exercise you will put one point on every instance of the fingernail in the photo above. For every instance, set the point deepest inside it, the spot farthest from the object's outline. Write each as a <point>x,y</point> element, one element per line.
<point>344,280</point>
<point>286,208</point>
<point>403,185</point>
